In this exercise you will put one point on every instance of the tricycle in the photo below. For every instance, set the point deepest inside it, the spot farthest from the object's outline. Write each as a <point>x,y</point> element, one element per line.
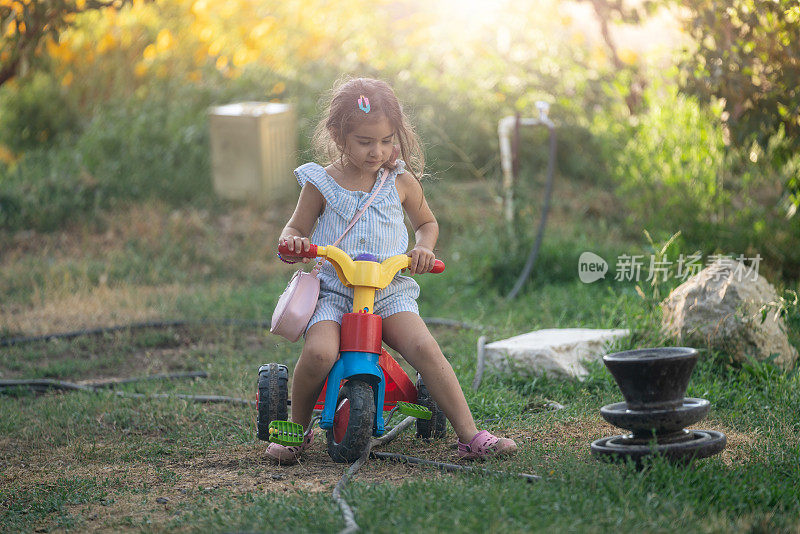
<point>365,380</point>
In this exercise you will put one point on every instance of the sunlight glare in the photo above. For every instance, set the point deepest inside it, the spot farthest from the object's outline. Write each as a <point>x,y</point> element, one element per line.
<point>473,12</point>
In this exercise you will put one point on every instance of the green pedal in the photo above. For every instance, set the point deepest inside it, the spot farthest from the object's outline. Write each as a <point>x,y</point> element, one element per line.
<point>413,410</point>
<point>286,433</point>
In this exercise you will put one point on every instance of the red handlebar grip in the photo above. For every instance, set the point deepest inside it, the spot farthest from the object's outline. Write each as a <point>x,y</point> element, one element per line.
<point>283,250</point>
<point>438,267</point>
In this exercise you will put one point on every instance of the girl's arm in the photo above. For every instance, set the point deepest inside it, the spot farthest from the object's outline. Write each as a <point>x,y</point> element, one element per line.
<point>426,229</point>
<point>309,207</point>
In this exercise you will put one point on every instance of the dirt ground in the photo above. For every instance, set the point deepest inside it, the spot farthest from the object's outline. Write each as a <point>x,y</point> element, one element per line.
<point>246,469</point>
<point>168,485</point>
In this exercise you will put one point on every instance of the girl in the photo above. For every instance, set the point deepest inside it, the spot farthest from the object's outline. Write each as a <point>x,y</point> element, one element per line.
<point>364,120</point>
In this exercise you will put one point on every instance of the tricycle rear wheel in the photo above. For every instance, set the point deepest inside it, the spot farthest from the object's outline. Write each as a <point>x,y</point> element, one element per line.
<point>353,422</point>
<point>436,426</point>
<point>272,397</point>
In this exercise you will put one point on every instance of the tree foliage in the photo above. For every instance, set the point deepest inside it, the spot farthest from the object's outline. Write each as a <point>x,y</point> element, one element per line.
<point>748,55</point>
<point>27,25</point>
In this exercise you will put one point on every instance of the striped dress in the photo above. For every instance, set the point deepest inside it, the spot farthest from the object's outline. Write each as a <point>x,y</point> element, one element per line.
<point>381,231</point>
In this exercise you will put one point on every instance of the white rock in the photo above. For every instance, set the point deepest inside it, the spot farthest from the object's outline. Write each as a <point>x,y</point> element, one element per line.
<point>558,352</point>
<point>719,308</point>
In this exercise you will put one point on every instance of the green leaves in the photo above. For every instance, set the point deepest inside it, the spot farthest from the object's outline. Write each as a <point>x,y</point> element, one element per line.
<point>26,24</point>
<point>747,53</point>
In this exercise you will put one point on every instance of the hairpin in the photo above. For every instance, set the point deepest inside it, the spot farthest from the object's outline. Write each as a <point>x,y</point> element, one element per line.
<point>363,103</point>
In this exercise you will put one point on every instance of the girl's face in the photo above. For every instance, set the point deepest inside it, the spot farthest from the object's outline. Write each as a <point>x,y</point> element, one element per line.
<point>369,145</point>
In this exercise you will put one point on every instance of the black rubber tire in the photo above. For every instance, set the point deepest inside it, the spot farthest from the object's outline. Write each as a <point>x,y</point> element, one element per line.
<point>360,425</point>
<point>273,395</point>
<point>436,426</point>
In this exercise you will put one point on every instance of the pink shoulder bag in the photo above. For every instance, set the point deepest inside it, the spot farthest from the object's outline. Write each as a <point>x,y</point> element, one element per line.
<point>298,301</point>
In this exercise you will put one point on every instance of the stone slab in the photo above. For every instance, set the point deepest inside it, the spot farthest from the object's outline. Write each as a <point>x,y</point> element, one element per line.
<point>558,352</point>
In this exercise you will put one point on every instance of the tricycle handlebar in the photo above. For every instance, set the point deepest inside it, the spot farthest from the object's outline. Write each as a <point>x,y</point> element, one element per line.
<point>438,267</point>
<point>364,276</point>
<point>283,249</point>
<point>320,251</point>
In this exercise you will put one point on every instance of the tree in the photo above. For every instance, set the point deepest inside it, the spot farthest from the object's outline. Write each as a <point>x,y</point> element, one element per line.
<point>26,25</point>
<point>747,54</point>
<point>617,11</point>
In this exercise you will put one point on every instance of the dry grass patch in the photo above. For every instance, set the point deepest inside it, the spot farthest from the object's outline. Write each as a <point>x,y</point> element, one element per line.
<point>178,349</point>
<point>91,307</point>
<point>55,275</point>
<point>578,434</point>
<point>155,492</point>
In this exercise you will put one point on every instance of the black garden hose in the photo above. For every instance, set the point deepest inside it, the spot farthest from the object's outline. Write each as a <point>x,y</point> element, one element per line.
<point>11,341</point>
<point>98,331</point>
<point>526,271</point>
<point>44,384</point>
<point>402,458</point>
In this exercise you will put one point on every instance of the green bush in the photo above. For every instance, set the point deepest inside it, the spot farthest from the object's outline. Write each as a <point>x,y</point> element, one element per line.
<point>153,147</point>
<point>123,155</point>
<point>760,217</point>
<point>45,189</point>
<point>675,173</point>
<point>669,172</point>
<point>38,113</point>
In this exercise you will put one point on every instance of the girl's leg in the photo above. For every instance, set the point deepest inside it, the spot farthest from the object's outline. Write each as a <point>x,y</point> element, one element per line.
<point>319,354</point>
<point>407,334</point>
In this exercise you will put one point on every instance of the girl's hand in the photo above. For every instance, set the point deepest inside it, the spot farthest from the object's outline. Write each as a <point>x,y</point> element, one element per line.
<point>295,243</point>
<point>422,259</point>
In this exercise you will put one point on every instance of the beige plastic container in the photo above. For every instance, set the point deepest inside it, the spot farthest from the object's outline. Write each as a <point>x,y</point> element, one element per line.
<point>253,150</point>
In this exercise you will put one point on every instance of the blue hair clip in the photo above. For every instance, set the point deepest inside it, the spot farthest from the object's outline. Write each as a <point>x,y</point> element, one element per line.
<point>363,103</point>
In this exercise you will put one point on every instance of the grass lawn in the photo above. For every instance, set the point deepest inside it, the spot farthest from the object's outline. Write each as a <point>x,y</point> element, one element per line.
<point>96,461</point>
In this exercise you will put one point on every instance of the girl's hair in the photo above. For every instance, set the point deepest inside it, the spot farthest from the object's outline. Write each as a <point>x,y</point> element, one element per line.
<point>342,115</point>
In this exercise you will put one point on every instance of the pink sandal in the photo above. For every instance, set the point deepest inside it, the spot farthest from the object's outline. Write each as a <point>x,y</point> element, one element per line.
<point>289,455</point>
<point>484,444</point>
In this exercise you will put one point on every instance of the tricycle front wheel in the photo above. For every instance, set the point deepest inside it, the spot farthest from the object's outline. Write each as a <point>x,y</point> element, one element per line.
<point>353,422</point>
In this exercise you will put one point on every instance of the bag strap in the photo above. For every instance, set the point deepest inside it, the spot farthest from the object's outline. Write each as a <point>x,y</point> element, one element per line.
<point>355,219</point>
<point>358,215</point>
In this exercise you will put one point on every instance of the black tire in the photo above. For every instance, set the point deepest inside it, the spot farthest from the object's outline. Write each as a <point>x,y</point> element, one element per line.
<point>436,426</point>
<point>349,446</point>
<point>273,395</point>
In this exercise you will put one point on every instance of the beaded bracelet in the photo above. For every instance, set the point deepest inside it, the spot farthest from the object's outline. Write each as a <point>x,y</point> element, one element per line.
<point>286,261</point>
